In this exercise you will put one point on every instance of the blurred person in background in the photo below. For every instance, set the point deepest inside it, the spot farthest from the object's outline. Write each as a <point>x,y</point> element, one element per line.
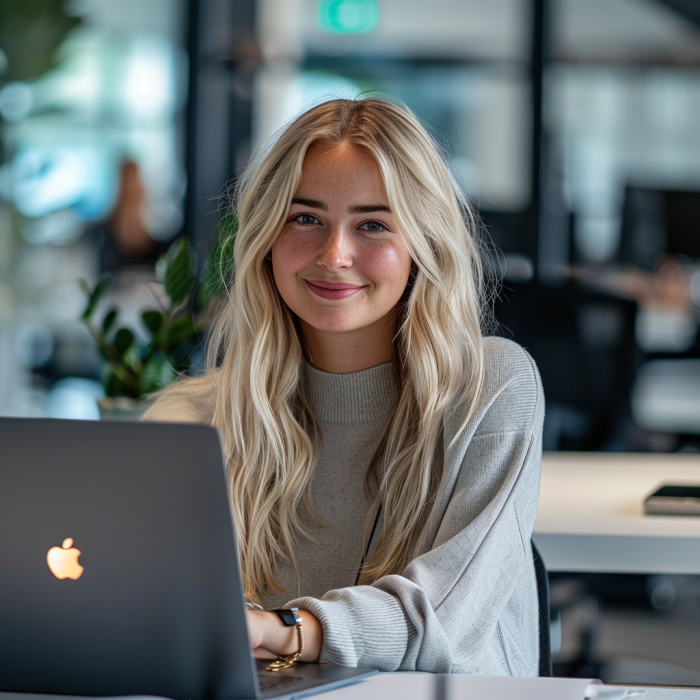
<point>125,239</point>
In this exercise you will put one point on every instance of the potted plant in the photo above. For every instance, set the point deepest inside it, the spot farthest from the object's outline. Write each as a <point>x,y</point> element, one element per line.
<point>137,364</point>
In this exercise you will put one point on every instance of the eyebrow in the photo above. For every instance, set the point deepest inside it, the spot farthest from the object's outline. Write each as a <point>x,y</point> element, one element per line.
<point>369,208</point>
<point>312,203</point>
<point>357,209</point>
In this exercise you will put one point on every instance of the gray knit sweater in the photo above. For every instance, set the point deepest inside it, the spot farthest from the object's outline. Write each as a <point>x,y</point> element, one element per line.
<point>467,602</point>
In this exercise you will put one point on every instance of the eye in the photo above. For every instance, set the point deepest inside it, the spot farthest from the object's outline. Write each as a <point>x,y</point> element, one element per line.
<point>306,219</point>
<point>373,226</point>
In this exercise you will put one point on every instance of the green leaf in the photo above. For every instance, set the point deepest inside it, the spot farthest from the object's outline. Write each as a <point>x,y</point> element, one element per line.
<point>153,320</point>
<point>111,383</point>
<point>157,373</point>
<point>182,332</point>
<point>96,297</point>
<point>31,33</point>
<point>161,267</point>
<point>179,275</point>
<point>108,320</point>
<point>221,261</point>
<point>147,351</point>
<point>203,295</point>
<point>123,340</point>
<point>131,359</point>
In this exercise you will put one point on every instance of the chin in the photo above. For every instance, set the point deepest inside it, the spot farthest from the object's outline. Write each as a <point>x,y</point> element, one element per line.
<point>339,327</point>
<point>333,324</point>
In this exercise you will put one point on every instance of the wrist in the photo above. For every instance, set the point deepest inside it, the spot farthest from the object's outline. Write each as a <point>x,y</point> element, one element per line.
<point>313,634</point>
<point>278,638</point>
<point>275,638</point>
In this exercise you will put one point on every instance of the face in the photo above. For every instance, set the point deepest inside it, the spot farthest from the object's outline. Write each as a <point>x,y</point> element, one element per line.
<point>340,264</point>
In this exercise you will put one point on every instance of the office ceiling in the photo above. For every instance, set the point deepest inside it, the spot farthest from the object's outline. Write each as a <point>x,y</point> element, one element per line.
<point>595,31</point>
<point>625,31</point>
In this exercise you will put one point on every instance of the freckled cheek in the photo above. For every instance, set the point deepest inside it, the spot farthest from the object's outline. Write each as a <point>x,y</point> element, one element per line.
<point>387,265</point>
<point>290,254</point>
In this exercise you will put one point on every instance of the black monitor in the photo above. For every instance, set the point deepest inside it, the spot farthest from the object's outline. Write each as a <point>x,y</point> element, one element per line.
<point>683,223</point>
<point>659,222</point>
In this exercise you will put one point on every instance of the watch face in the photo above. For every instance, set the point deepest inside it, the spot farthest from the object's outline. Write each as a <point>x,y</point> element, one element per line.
<point>288,617</point>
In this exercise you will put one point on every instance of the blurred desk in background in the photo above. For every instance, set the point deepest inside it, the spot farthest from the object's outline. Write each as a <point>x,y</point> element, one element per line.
<point>591,514</point>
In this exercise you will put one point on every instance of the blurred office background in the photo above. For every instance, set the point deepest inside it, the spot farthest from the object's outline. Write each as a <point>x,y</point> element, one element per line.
<point>572,125</point>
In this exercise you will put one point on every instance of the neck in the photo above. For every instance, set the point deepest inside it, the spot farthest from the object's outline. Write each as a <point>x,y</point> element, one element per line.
<point>344,352</point>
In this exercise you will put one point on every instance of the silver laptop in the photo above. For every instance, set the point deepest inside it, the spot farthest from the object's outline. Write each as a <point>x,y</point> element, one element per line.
<point>118,567</point>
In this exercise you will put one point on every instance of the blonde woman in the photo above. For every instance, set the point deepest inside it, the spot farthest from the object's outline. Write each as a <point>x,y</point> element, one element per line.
<point>383,455</point>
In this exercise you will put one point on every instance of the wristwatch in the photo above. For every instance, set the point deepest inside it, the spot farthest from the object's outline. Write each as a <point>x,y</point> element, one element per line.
<point>290,618</point>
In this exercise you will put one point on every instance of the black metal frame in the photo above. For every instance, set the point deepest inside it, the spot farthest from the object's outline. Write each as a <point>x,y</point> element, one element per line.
<point>223,56</point>
<point>545,655</point>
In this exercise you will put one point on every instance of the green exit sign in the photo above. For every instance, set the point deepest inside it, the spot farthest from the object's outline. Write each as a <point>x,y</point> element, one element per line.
<point>348,16</point>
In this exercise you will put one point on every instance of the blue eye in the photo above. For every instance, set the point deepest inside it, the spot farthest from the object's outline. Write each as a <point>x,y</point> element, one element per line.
<point>306,219</point>
<point>373,226</point>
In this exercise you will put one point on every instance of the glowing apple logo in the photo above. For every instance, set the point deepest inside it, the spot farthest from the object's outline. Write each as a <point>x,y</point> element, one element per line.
<point>63,560</point>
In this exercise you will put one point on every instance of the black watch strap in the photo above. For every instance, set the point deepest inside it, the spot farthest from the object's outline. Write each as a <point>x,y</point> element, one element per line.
<point>289,616</point>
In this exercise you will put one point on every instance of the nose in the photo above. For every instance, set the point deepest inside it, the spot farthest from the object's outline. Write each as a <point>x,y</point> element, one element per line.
<point>336,250</point>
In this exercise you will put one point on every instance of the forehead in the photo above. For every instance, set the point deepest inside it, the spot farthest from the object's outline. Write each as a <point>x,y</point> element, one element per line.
<point>341,169</point>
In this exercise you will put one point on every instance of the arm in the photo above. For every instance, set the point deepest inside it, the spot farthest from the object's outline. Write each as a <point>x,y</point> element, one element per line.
<point>469,603</point>
<point>270,638</point>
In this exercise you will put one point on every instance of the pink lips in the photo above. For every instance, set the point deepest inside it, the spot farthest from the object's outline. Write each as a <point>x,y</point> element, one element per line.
<point>333,290</point>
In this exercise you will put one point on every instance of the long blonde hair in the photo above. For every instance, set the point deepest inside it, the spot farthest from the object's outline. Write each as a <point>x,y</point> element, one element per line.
<point>271,438</point>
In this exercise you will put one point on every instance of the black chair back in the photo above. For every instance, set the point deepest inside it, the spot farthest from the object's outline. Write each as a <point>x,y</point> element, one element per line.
<point>583,342</point>
<point>545,667</point>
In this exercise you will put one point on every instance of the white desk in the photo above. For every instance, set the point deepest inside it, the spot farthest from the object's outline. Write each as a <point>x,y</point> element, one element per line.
<point>424,686</point>
<point>591,514</point>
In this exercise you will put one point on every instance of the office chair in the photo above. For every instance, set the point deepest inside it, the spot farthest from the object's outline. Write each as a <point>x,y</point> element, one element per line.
<point>584,345</point>
<point>545,663</point>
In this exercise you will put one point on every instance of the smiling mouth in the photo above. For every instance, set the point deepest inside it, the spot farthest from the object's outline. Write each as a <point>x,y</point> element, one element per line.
<point>333,290</point>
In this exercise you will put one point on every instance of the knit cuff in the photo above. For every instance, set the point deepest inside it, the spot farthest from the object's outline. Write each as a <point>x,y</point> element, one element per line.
<point>362,626</point>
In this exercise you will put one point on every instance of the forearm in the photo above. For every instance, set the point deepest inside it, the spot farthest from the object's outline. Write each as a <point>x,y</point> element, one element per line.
<point>270,638</point>
<point>362,625</point>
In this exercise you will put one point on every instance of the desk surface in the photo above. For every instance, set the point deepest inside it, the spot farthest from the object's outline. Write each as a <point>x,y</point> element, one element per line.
<point>591,518</point>
<point>424,686</point>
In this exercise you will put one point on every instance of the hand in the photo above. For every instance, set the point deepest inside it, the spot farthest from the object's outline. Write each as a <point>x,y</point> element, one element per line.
<point>270,637</point>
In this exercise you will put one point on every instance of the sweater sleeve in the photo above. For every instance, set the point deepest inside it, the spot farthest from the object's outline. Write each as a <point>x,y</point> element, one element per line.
<point>188,400</point>
<point>468,604</point>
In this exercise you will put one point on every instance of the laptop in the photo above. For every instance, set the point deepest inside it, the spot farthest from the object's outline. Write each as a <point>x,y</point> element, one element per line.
<point>119,571</point>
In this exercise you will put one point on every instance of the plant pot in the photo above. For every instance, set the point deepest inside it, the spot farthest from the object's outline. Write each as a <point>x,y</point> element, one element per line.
<point>121,408</point>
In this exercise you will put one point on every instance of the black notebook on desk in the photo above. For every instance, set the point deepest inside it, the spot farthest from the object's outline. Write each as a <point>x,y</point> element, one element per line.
<point>674,499</point>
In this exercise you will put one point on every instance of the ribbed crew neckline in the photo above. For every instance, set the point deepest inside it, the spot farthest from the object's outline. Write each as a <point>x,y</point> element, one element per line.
<point>359,397</point>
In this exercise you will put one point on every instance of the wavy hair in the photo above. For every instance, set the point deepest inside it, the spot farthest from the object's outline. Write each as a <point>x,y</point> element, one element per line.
<point>271,438</point>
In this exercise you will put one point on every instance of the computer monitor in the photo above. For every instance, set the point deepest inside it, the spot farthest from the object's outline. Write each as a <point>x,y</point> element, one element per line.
<point>658,222</point>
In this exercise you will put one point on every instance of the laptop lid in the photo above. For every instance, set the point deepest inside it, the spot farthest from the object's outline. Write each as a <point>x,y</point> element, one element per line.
<point>153,602</point>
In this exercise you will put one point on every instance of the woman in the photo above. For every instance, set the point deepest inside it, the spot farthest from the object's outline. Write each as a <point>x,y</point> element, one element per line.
<point>383,456</point>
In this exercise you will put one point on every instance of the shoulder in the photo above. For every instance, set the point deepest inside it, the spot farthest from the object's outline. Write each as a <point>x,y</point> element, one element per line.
<point>188,400</point>
<point>511,397</point>
<point>507,363</point>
